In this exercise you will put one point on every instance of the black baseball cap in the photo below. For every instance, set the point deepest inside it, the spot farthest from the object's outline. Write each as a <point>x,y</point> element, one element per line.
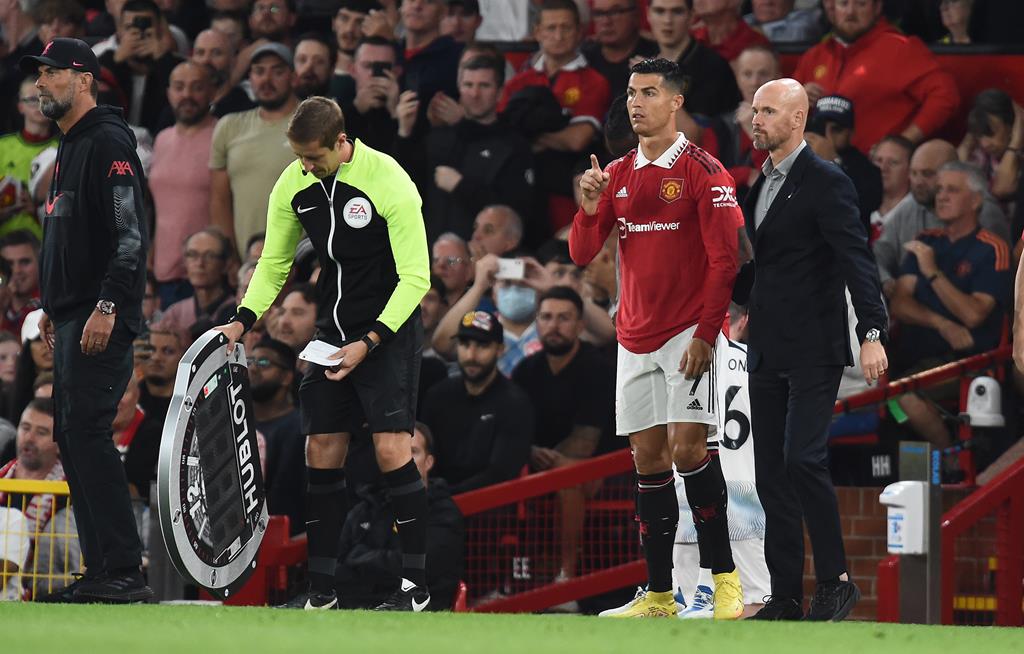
<point>63,53</point>
<point>835,109</point>
<point>481,326</point>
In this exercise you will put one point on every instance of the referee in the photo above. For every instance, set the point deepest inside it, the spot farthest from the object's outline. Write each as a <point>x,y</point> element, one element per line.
<point>93,277</point>
<point>362,214</point>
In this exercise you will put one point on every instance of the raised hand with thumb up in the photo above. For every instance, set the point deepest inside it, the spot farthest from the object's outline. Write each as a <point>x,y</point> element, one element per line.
<point>592,183</point>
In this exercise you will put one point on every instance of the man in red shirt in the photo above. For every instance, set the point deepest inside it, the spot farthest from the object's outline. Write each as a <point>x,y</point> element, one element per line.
<point>676,213</point>
<point>894,77</point>
<point>579,89</point>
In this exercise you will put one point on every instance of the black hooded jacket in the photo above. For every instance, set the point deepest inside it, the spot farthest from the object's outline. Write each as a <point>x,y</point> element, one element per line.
<point>94,232</point>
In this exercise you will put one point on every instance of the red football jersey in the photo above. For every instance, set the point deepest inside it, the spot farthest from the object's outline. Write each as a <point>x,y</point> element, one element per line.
<point>677,218</point>
<point>580,89</point>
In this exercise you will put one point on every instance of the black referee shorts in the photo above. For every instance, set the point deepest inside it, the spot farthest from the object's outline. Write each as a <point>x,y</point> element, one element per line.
<point>380,392</point>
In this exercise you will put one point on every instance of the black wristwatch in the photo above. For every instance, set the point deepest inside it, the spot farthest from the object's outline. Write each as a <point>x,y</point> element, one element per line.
<point>371,344</point>
<point>106,307</point>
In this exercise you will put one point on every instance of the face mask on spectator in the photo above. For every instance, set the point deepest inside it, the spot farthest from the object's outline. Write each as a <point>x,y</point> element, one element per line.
<point>517,303</point>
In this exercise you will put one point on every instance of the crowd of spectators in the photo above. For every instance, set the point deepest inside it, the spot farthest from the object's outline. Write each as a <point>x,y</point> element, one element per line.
<point>518,372</point>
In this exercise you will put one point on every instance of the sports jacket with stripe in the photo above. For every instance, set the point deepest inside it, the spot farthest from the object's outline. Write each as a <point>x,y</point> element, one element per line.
<point>366,226</point>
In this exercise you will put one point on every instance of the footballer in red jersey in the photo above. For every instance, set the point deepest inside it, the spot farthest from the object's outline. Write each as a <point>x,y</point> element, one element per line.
<point>677,217</point>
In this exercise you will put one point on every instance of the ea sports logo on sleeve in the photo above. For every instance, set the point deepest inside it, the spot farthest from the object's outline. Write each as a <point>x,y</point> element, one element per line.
<point>357,212</point>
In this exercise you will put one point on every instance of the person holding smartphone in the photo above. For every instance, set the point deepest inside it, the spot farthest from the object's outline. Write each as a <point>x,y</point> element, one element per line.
<point>370,109</point>
<point>142,62</point>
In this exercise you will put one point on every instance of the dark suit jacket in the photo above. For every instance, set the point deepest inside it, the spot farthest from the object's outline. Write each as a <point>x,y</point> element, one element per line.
<point>810,245</point>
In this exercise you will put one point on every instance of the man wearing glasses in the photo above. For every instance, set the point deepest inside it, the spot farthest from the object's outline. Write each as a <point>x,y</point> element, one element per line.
<point>206,259</point>
<point>272,383</point>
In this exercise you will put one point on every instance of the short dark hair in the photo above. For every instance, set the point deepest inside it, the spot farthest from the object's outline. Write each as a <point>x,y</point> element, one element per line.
<point>258,236</point>
<point>280,348</point>
<point>428,436</point>
<point>317,119</point>
<point>377,40</point>
<point>989,103</point>
<point>619,136</point>
<point>69,10</point>
<point>559,5</point>
<point>669,70</point>
<point>20,237</point>
<point>358,6</point>
<point>321,38</point>
<point>304,289</point>
<point>486,62</point>
<point>146,6</point>
<point>436,284</point>
<point>563,293</point>
<point>42,405</point>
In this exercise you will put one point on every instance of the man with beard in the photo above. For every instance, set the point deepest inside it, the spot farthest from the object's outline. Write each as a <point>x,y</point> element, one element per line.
<point>214,49</point>
<point>271,377</point>
<point>250,148</point>
<point>20,295</point>
<point>178,176</point>
<point>314,56</point>
<point>572,389</point>
<point>367,232</point>
<point>347,26</point>
<point>93,278</point>
<point>916,212</point>
<point>296,322</point>
<point>482,422</point>
<point>894,76</point>
<point>142,62</point>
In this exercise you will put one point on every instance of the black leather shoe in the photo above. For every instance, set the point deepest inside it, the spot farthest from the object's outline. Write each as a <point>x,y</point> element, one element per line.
<point>114,588</point>
<point>779,608</point>
<point>833,601</point>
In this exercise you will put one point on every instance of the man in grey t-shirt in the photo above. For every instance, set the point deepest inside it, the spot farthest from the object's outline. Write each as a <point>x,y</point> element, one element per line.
<point>916,212</point>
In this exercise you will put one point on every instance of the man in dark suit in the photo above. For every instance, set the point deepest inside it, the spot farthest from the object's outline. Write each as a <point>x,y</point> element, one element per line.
<point>809,242</point>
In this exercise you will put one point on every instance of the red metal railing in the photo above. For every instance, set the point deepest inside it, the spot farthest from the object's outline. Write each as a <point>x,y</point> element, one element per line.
<point>1003,497</point>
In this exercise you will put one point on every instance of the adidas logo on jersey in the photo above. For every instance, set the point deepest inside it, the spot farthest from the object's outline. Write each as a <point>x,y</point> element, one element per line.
<point>694,406</point>
<point>621,193</point>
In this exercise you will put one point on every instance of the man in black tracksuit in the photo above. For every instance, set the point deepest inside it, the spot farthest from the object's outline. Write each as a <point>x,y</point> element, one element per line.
<point>93,277</point>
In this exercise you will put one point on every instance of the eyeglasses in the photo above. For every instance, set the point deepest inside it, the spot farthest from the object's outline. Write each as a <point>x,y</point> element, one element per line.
<point>263,363</point>
<point>450,261</point>
<point>30,99</point>
<point>205,257</point>
<point>612,13</point>
<point>267,9</point>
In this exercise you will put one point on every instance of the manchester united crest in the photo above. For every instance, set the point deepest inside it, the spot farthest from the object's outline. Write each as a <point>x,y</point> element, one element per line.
<point>671,189</point>
<point>572,95</point>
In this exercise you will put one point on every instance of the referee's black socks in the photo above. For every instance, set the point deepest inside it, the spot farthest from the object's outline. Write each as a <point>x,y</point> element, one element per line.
<point>326,508</point>
<point>409,501</point>
<point>706,492</point>
<point>658,510</point>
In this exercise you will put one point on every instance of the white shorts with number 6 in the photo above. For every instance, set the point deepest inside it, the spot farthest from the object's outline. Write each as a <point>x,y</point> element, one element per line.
<point>650,390</point>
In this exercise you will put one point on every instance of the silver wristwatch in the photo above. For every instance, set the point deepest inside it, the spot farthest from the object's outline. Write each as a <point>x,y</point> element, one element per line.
<point>106,307</point>
<point>873,336</point>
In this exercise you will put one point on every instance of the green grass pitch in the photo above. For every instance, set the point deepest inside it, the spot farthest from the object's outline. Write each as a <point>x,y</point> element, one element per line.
<point>34,629</point>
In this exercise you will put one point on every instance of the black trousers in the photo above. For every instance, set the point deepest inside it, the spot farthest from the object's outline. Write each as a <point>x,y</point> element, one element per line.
<point>86,392</point>
<point>791,411</point>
